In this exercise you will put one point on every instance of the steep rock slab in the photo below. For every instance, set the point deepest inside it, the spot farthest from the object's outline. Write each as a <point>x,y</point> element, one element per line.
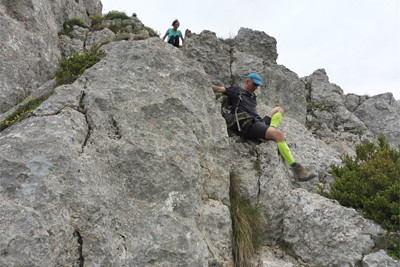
<point>381,114</point>
<point>164,145</point>
<point>29,44</point>
<point>281,87</point>
<point>213,54</point>
<point>124,183</point>
<point>40,189</point>
<point>324,233</point>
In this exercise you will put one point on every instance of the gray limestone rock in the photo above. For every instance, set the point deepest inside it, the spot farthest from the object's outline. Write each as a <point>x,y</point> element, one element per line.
<point>46,89</point>
<point>96,38</point>
<point>212,53</point>
<point>256,43</point>
<point>118,178</point>
<point>330,115</point>
<point>272,256</point>
<point>80,33</point>
<point>217,232</point>
<point>266,177</point>
<point>63,96</point>
<point>29,40</point>
<point>379,259</point>
<point>324,233</point>
<point>68,46</point>
<point>93,7</point>
<point>352,101</point>
<point>381,114</point>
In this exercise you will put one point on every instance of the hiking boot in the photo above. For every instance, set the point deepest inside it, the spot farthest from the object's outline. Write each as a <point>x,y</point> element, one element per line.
<point>302,173</point>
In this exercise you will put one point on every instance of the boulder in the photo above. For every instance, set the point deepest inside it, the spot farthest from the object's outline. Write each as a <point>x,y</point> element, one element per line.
<point>256,43</point>
<point>379,259</point>
<point>97,37</point>
<point>68,46</point>
<point>322,232</point>
<point>212,53</point>
<point>80,33</point>
<point>93,7</point>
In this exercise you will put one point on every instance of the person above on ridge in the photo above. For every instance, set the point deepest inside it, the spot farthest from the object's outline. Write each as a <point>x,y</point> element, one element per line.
<point>174,34</point>
<point>253,126</point>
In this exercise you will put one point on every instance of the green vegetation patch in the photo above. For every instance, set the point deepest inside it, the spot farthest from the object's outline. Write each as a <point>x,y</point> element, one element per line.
<point>152,32</point>
<point>71,68</point>
<point>24,111</point>
<point>247,224</point>
<point>370,181</point>
<point>389,241</point>
<point>115,15</point>
<point>68,26</point>
<point>96,19</point>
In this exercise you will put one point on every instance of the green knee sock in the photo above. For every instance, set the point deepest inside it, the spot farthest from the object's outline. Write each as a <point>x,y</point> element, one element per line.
<point>276,119</point>
<point>285,152</point>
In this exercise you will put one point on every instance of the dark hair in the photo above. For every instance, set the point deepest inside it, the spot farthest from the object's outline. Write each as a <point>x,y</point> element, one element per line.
<point>175,21</point>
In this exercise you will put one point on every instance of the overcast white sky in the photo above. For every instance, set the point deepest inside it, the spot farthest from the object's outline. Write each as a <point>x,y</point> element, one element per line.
<point>355,41</point>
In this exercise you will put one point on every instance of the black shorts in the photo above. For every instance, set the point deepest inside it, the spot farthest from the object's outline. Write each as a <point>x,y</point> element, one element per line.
<point>257,128</point>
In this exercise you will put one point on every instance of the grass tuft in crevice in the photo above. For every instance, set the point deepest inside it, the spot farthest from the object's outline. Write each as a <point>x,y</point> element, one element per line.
<point>247,224</point>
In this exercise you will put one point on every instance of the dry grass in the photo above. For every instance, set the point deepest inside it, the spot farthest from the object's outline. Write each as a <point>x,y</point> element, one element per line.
<point>247,225</point>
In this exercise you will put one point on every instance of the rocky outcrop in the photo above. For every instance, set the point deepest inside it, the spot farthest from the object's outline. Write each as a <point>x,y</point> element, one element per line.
<point>324,233</point>
<point>344,121</point>
<point>379,259</point>
<point>230,65</point>
<point>256,43</point>
<point>381,114</point>
<point>212,53</point>
<point>329,119</point>
<point>29,44</point>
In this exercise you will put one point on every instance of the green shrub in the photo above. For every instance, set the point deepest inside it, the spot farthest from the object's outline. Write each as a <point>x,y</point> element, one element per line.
<point>96,19</point>
<point>115,15</point>
<point>70,68</point>
<point>23,111</point>
<point>370,181</point>
<point>122,36</point>
<point>228,41</point>
<point>152,32</point>
<point>247,224</point>
<point>68,26</point>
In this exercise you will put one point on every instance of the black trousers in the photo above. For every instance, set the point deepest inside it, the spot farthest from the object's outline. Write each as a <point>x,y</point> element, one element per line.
<point>174,40</point>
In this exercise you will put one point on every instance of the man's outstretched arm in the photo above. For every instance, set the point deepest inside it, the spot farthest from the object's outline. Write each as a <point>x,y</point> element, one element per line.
<point>218,89</point>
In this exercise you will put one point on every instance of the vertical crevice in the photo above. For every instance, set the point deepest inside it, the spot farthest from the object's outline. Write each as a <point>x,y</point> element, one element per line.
<point>80,261</point>
<point>115,134</point>
<point>82,109</point>
<point>232,58</point>
<point>257,166</point>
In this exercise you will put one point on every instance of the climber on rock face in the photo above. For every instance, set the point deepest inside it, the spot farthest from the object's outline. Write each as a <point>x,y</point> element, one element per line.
<point>174,34</point>
<point>253,126</point>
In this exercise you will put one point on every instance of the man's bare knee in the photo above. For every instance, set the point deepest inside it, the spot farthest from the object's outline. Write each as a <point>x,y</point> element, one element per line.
<point>274,111</point>
<point>274,134</point>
